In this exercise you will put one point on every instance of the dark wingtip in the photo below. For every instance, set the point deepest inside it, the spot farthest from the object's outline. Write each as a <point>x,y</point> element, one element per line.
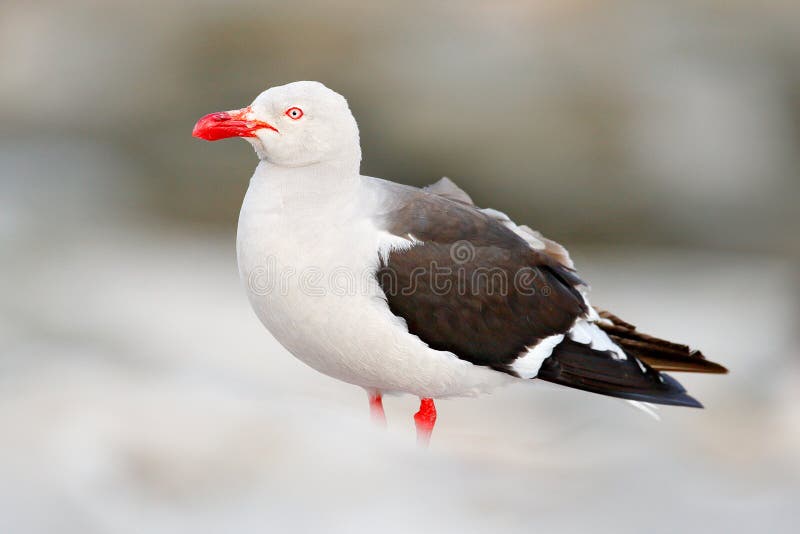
<point>676,399</point>
<point>719,369</point>
<point>708,366</point>
<point>688,401</point>
<point>677,395</point>
<point>715,368</point>
<point>672,394</point>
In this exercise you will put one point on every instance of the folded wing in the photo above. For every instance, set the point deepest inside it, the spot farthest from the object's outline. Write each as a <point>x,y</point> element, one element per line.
<point>502,296</point>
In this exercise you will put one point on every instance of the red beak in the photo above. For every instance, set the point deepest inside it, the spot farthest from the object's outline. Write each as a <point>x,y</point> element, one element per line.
<point>224,124</point>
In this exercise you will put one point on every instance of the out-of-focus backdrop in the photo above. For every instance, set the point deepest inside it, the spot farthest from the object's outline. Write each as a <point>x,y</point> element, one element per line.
<point>138,393</point>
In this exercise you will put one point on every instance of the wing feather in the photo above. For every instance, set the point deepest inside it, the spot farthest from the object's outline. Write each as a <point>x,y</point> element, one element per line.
<point>479,286</point>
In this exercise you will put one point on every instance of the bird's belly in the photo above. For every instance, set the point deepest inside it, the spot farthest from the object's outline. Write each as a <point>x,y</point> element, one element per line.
<point>324,305</point>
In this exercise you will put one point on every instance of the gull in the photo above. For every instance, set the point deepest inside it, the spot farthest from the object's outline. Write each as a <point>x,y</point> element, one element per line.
<point>398,289</point>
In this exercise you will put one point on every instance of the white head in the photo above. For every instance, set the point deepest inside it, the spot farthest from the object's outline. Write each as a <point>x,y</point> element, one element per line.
<point>293,125</point>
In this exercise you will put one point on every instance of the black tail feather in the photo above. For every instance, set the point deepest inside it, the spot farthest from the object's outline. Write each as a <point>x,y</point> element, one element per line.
<point>578,366</point>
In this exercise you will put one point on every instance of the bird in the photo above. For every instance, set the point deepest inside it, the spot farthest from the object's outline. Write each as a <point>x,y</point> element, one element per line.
<point>405,290</point>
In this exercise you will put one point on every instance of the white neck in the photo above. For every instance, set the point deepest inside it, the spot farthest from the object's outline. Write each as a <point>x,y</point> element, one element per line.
<point>320,186</point>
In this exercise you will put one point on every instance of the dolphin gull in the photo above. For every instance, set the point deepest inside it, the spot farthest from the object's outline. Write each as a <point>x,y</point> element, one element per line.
<point>398,289</point>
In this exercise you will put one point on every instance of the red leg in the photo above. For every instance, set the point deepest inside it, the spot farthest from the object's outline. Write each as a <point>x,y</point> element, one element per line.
<point>425,418</point>
<point>376,408</point>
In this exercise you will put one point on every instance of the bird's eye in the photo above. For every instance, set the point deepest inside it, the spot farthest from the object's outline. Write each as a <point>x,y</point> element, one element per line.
<point>294,113</point>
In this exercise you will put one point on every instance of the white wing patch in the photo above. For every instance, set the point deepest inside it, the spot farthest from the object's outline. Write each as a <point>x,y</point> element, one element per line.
<point>388,243</point>
<point>528,365</point>
<point>528,235</point>
<point>588,333</point>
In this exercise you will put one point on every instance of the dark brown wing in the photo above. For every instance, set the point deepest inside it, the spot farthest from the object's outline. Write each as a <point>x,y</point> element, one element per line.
<point>658,353</point>
<point>474,287</point>
<point>471,285</point>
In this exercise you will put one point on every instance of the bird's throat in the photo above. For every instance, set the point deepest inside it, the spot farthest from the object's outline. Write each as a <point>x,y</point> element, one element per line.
<point>327,182</point>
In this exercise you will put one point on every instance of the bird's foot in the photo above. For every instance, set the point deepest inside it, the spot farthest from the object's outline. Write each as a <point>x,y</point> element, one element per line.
<point>425,418</point>
<point>376,409</point>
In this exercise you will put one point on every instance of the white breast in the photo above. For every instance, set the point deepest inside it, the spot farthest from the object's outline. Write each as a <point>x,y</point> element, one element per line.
<point>307,259</point>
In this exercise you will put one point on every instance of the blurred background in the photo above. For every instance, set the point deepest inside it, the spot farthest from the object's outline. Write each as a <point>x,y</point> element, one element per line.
<point>659,141</point>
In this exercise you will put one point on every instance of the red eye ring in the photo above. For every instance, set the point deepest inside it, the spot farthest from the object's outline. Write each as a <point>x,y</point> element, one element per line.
<point>294,113</point>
